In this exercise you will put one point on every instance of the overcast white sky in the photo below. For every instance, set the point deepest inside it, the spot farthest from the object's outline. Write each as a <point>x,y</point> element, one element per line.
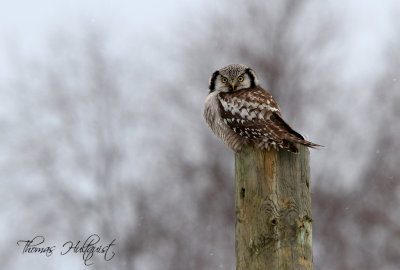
<point>25,25</point>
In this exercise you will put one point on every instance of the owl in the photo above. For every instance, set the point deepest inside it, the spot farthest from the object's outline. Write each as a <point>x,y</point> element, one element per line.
<point>240,112</point>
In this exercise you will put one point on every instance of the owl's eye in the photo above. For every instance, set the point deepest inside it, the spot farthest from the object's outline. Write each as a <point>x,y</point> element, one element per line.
<point>224,80</point>
<point>240,79</point>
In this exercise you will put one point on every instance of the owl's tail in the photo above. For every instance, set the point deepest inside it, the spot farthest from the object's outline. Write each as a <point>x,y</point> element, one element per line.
<point>310,144</point>
<point>288,144</point>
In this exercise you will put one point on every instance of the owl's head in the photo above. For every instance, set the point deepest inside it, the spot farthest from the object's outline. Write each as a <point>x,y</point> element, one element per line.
<point>233,78</point>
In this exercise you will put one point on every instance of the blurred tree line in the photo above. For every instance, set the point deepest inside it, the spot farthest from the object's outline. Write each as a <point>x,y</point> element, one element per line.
<point>97,143</point>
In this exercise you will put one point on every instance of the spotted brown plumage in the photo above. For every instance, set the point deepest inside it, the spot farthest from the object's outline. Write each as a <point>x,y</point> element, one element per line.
<point>239,111</point>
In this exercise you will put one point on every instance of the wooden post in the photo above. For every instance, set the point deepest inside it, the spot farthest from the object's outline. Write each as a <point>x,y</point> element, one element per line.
<point>273,210</point>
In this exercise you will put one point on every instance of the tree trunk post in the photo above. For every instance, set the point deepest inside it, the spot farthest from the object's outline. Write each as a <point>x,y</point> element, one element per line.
<point>273,209</point>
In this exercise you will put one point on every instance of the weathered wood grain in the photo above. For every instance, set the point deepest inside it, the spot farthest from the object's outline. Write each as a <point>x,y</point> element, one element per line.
<point>273,210</point>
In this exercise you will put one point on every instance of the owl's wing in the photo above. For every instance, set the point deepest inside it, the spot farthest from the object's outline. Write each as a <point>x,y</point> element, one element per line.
<point>254,114</point>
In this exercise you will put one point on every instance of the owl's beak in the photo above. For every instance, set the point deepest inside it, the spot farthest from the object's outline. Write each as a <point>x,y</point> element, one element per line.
<point>233,86</point>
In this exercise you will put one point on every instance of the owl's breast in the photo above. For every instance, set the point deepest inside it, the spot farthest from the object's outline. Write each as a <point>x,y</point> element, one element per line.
<point>214,120</point>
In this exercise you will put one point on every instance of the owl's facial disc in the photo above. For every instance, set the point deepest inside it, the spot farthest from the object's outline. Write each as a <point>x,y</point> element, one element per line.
<point>233,78</point>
